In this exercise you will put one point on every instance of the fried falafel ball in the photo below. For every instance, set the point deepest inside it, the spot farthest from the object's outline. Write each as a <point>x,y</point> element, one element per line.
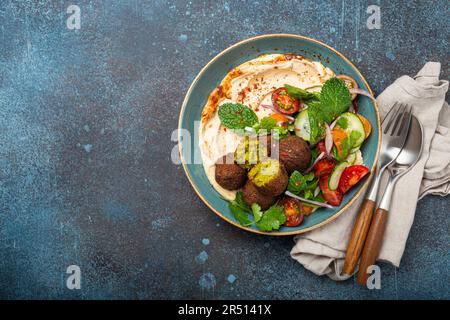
<point>294,153</point>
<point>251,194</point>
<point>270,177</point>
<point>228,174</point>
<point>252,150</point>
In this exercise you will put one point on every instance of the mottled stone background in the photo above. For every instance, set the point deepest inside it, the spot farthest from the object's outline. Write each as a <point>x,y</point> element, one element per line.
<point>85,174</point>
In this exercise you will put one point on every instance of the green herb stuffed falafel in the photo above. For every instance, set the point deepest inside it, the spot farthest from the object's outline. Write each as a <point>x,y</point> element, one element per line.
<point>270,177</point>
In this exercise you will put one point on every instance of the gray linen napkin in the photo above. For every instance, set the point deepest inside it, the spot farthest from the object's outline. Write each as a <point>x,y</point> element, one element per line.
<point>322,250</point>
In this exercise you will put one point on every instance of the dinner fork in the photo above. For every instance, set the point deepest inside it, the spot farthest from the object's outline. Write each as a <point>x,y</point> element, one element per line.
<point>394,131</point>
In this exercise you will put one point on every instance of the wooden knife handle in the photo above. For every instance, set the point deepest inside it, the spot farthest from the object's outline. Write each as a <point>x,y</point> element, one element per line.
<point>373,244</point>
<point>359,233</point>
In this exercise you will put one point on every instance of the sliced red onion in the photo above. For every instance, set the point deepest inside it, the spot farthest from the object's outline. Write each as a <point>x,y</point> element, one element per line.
<point>271,107</point>
<point>320,156</point>
<point>333,124</point>
<point>362,92</point>
<point>316,203</point>
<point>328,139</point>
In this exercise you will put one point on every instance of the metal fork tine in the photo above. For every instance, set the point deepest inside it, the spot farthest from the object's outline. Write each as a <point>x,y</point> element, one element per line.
<point>405,121</point>
<point>393,119</point>
<point>393,124</point>
<point>399,119</point>
<point>390,116</point>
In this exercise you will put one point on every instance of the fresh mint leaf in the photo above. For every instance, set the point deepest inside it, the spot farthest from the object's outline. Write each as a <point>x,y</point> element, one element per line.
<point>272,219</point>
<point>335,99</point>
<point>302,94</point>
<point>257,212</point>
<point>236,116</point>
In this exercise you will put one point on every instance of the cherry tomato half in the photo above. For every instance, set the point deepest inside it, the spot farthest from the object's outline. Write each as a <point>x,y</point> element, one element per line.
<point>324,167</point>
<point>284,103</point>
<point>332,197</point>
<point>293,210</point>
<point>350,176</point>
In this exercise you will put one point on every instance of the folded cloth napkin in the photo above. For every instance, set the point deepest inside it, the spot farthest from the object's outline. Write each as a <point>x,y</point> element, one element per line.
<point>322,250</point>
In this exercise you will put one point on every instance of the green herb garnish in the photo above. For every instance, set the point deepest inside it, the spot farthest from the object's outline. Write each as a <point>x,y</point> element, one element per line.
<point>272,219</point>
<point>301,94</point>
<point>335,99</point>
<point>302,185</point>
<point>267,123</point>
<point>268,220</point>
<point>237,116</point>
<point>257,212</point>
<point>239,209</point>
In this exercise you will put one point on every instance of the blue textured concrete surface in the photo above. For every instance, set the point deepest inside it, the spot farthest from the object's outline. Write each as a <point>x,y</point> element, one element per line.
<point>86,118</point>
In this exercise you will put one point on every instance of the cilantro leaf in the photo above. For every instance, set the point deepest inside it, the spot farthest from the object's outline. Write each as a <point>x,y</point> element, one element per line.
<point>272,219</point>
<point>236,116</point>
<point>302,94</point>
<point>257,212</point>
<point>239,209</point>
<point>239,214</point>
<point>335,99</point>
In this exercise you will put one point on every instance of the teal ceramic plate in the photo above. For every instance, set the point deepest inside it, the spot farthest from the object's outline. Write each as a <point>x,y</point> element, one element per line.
<point>210,77</point>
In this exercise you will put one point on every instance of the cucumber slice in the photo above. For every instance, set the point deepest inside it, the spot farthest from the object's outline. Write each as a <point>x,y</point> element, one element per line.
<point>336,175</point>
<point>353,123</point>
<point>301,124</point>
<point>355,149</point>
<point>351,158</point>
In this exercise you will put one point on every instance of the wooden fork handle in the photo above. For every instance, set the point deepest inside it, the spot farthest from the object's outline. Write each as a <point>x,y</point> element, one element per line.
<point>359,233</point>
<point>373,244</point>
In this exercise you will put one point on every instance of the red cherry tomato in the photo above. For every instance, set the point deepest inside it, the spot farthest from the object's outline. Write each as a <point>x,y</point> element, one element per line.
<point>321,146</point>
<point>350,176</point>
<point>324,167</point>
<point>284,103</point>
<point>293,210</point>
<point>332,197</point>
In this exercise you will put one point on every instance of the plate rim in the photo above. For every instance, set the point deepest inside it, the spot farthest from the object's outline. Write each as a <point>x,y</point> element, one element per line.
<point>277,233</point>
